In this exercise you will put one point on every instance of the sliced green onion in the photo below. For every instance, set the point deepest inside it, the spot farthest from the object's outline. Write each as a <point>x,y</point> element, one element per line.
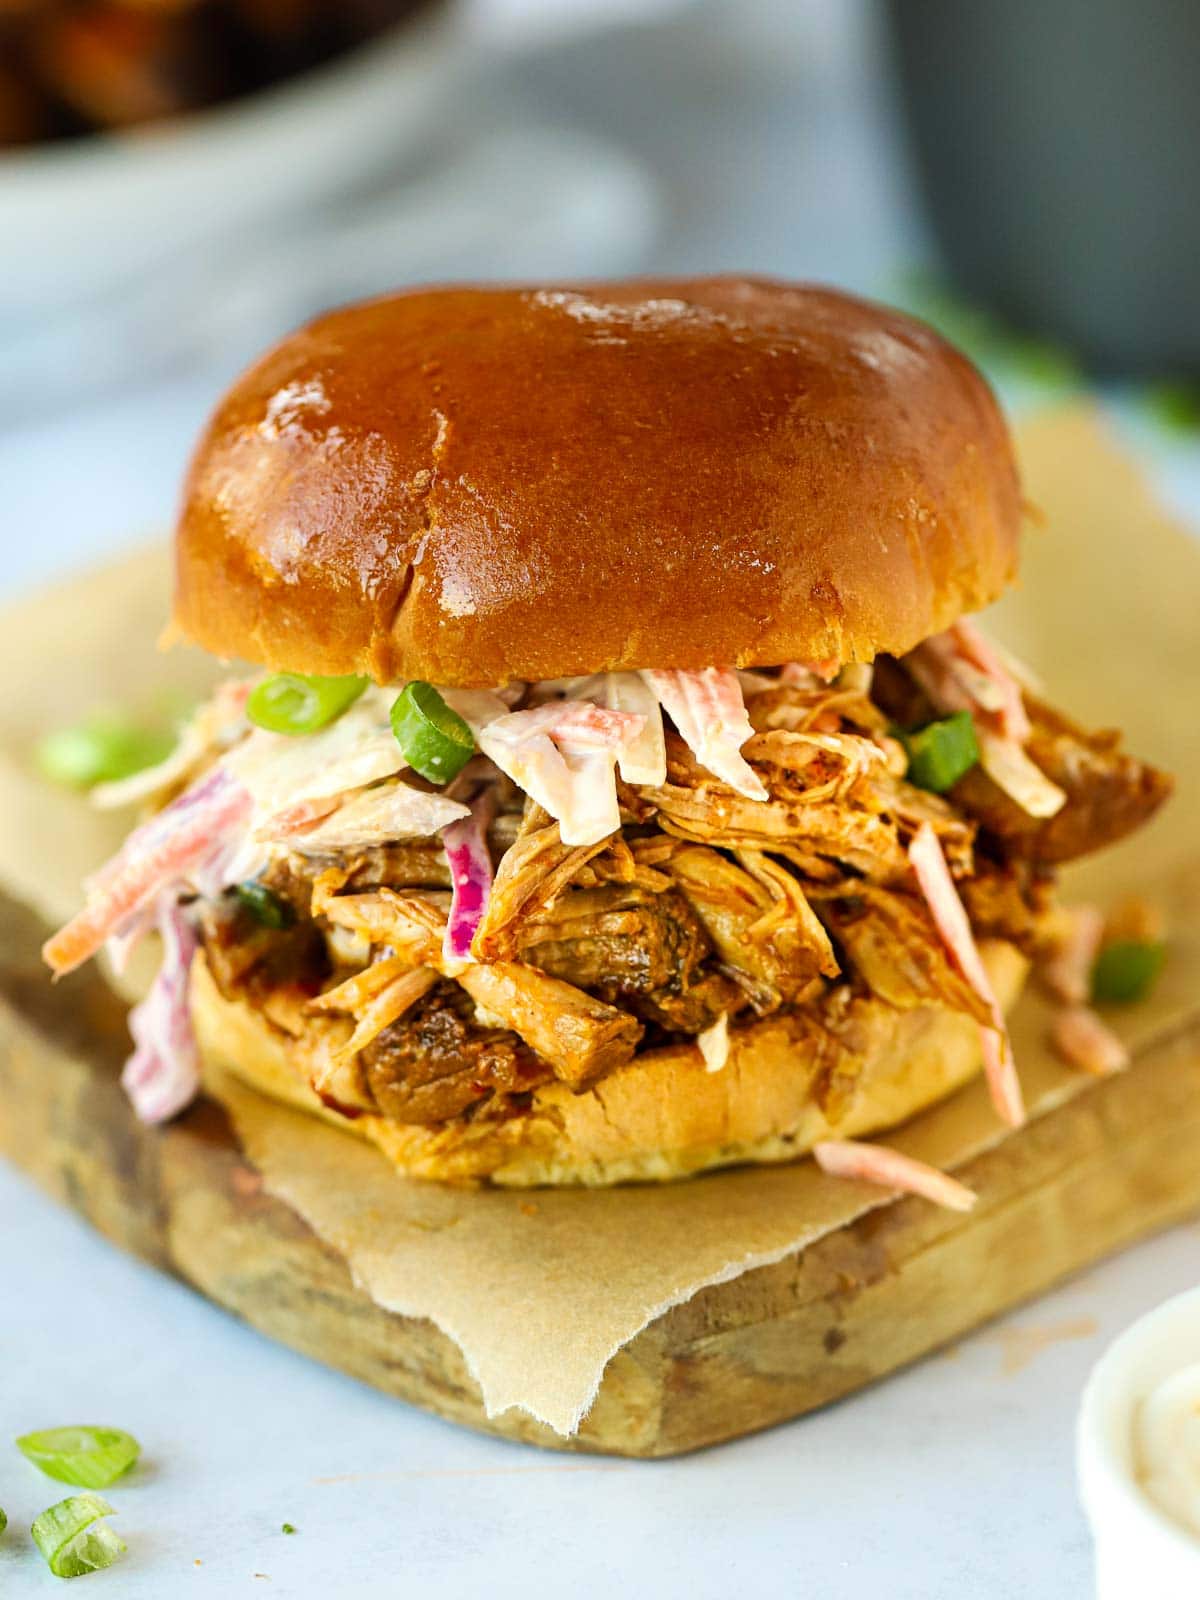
<point>3,1519</point>
<point>71,1538</point>
<point>287,702</point>
<point>1176,406</point>
<point>1126,970</point>
<point>940,752</point>
<point>435,740</point>
<point>267,909</point>
<point>101,749</point>
<point>90,1457</point>
<point>990,342</point>
<point>288,1527</point>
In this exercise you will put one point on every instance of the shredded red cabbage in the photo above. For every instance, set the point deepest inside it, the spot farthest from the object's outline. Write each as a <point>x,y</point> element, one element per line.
<point>470,861</point>
<point>162,1075</point>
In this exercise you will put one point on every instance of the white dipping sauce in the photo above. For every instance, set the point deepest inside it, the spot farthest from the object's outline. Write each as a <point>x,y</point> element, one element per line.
<point>1166,1442</point>
<point>1138,1456</point>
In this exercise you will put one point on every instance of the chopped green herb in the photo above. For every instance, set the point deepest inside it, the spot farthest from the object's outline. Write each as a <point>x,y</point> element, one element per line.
<point>290,703</point>
<point>1037,361</point>
<point>288,1528</point>
<point>435,740</point>
<point>90,1457</point>
<point>3,1519</point>
<point>992,343</point>
<point>267,909</point>
<point>73,1540</point>
<point>1126,970</point>
<point>101,749</point>
<point>940,752</point>
<point>1176,406</point>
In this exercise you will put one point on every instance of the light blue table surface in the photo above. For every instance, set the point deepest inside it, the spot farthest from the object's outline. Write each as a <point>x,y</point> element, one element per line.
<point>953,1479</point>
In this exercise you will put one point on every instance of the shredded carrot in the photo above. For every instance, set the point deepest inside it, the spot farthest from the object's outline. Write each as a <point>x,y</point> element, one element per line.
<point>878,1164</point>
<point>1068,972</point>
<point>710,716</point>
<point>1083,1040</point>
<point>950,917</point>
<point>1014,723</point>
<point>160,852</point>
<point>305,814</point>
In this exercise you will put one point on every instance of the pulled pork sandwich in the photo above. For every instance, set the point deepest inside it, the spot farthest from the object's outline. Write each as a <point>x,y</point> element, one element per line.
<point>629,792</point>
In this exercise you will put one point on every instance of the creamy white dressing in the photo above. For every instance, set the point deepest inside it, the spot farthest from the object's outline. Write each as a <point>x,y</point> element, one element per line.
<point>643,760</point>
<point>1166,1433</point>
<point>392,811</point>
<point>1007,765</point>
<point>215,725</point>
<point>281,770</point>
<point>572,779</point>
<point>714,1044</point>
<point>709,713</point>
<point>574,782</point>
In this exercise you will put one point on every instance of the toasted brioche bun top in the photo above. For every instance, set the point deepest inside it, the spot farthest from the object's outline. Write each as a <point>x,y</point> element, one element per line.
<point>473,485</point>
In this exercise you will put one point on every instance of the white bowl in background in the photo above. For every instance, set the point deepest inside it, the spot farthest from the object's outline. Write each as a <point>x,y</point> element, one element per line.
<point>1140,1551</point>
<point>80,219</point>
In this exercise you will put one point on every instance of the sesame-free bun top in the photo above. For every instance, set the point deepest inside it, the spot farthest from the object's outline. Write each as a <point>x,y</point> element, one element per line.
<point>473,485</point>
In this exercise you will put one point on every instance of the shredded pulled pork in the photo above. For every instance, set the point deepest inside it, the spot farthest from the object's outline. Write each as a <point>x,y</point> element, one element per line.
<point>646,952</point>
<point>759,921</point>
<point>892,942</point>
<point>630,859</point>
<point>1108,792</point>
<point>579,1036</point>
<point>531,875</point>
<point>439,1061</point>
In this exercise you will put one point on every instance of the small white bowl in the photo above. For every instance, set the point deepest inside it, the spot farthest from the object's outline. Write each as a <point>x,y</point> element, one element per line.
<point>1140,1551</point>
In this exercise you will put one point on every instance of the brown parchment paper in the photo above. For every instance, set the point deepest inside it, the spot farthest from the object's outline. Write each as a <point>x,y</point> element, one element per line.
<point>541,1289</point>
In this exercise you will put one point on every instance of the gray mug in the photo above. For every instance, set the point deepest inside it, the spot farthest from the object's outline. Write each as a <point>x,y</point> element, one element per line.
<point>1059,146</point>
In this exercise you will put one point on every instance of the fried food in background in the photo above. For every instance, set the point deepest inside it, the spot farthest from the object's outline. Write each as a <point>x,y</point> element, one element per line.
<point>69,67</point>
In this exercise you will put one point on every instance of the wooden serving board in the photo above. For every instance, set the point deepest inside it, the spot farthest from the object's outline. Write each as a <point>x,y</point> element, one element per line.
<point>1106,1168</point>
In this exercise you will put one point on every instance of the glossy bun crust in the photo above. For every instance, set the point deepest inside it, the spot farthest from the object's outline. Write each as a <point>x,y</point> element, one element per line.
<point>472,485</point>
<point>661,1115</point>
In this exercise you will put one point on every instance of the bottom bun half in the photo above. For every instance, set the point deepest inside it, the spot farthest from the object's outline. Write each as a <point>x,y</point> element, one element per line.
<point>663,1115</point>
